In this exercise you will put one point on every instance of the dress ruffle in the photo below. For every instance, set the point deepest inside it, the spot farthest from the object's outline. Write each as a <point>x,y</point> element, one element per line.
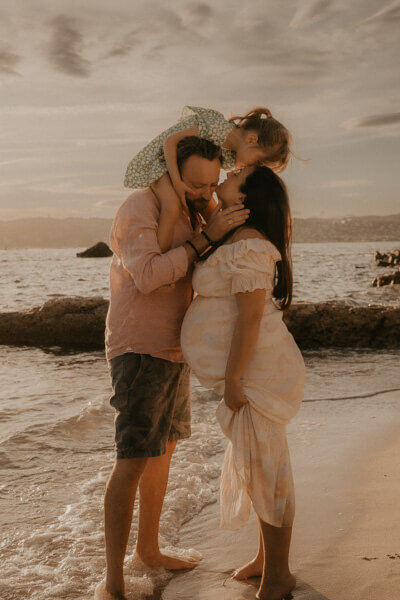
<point>248,264</point>
<point>242,266</point>
<point>232,252</point>
<point>249,284</point>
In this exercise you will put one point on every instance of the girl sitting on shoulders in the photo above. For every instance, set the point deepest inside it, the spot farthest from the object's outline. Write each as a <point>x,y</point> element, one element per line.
<point>255,138</point>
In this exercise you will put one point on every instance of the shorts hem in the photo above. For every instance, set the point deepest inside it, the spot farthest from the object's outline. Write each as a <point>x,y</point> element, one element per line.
<point>131,453</point>
<point>179,436</point>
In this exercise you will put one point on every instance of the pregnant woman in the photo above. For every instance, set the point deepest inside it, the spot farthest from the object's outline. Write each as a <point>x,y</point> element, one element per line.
<point>235,341</point>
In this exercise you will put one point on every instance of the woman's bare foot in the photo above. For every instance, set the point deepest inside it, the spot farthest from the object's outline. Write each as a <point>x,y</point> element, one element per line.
<point>276,589</point>
<point>253,569</point>
<point>171,563</point>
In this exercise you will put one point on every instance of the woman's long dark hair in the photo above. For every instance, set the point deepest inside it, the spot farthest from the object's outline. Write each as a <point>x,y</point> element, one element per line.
<point>268,202</point>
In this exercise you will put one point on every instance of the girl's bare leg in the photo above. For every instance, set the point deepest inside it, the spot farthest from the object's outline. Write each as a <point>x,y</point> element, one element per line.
<point>170,210</point>
<point>255,567</point>
<point>277,580</point>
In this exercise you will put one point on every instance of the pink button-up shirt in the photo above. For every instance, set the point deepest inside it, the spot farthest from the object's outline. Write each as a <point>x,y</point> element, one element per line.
<point>150,292</point>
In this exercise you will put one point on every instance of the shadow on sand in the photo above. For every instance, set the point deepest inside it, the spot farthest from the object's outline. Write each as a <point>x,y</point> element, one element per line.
<point>303,591</point>
<point>228,589</point>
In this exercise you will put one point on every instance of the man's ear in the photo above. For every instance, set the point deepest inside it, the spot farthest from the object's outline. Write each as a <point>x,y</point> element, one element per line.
<point>251,139</point>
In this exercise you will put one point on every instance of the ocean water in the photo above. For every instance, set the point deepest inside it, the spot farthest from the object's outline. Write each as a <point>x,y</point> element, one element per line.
<point>56,425</point>
<point>342,271</point>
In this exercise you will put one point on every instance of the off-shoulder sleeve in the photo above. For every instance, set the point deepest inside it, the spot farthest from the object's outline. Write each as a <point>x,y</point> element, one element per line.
<point>247,264</point>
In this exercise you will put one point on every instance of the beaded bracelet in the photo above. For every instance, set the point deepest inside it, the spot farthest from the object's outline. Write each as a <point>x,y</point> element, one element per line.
<point>207,238</point>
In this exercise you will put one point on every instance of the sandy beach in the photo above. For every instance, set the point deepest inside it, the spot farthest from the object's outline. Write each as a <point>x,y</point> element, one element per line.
<point>56,453</point>
<point>345,543</point>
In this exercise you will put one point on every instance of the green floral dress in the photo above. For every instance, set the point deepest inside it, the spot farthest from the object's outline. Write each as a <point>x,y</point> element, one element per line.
<point>149,164</point>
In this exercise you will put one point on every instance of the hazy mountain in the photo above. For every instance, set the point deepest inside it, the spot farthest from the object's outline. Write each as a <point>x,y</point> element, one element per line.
<point>53,233</point>
<point>348,229</point>
<point>81,233</point>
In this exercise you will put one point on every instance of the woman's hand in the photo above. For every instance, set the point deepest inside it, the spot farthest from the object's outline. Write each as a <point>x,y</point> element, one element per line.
<point>234,395</point>
<point>223,221</point>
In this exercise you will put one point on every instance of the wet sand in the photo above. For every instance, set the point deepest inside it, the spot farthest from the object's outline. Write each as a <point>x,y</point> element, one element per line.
<point>345,545</point>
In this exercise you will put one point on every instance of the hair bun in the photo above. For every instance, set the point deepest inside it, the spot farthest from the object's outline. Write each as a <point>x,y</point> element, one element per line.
<point>258,113</point>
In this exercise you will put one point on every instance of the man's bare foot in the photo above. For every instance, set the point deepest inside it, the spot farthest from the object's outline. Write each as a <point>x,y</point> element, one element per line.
<point>171,563</point>
<point>276,589</point>
<point>101,593</point>
<point>253,569</point>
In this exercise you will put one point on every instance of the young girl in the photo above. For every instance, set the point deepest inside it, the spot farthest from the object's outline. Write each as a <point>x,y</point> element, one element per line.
<point>235,341</point>
<point>254,138</point>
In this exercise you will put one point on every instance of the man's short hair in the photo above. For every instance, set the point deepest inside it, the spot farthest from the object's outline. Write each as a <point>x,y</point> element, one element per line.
<point>196,146</point>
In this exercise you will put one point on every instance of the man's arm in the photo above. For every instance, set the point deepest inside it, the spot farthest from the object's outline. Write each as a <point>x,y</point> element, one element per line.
<point>135,231</point>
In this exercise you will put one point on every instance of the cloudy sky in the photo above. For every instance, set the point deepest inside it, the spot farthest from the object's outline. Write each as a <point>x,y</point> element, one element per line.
<point>84,85</point>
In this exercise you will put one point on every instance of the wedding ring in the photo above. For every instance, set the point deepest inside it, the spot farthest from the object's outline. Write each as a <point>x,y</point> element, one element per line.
<point>230,221</point>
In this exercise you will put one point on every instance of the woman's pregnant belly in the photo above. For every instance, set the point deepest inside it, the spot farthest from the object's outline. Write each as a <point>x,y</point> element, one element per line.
<point>206,336</point>
<point>274,377</point>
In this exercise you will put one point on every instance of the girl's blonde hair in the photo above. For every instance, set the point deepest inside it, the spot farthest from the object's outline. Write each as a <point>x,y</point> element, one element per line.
<point>271,133</point>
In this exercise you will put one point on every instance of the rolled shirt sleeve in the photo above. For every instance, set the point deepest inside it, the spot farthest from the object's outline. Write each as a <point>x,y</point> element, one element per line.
<point>135,233</point>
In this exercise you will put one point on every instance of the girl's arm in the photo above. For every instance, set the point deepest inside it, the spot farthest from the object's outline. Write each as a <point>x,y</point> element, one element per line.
<point>170,146</point>
<point>244,339</point>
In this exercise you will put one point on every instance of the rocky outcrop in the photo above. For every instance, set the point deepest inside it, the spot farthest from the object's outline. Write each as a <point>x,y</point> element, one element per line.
<point>79,323</point>
<point>334,324</point>
<point>69,322</point>
<point>389,279</point>
<point>99,250</point>
<point>388,259</point>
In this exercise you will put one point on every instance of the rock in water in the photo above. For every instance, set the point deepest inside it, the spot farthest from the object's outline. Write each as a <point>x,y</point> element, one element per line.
<point>389,279</point>
<point>99,250</point>
<point>69,322</point>
<point>388,259</point>
<point>79,323</point>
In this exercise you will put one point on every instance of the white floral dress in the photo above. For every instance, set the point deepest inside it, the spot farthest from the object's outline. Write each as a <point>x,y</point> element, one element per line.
<point>257,469</point>
<point>149,164</point>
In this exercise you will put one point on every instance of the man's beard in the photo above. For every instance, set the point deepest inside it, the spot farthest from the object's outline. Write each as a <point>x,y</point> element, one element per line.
<point>198,204</point>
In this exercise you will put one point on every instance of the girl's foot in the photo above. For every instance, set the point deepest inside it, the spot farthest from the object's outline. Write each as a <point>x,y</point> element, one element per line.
<point>276,589</point>
<point>253,569</point>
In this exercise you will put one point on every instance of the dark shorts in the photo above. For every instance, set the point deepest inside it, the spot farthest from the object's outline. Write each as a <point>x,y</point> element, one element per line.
<point>152,402</point>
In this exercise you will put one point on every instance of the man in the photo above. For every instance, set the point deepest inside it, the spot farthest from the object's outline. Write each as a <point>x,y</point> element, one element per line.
<point>150,293</point>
